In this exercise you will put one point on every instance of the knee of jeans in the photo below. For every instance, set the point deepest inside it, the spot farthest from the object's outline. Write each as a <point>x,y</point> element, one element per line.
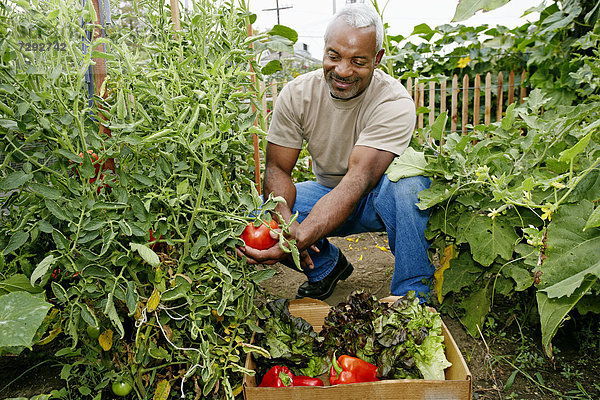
<point>405,189</point>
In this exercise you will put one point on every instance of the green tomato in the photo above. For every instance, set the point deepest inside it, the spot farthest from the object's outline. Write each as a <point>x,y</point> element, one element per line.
<point>121,388</point>
<point>93,332</point>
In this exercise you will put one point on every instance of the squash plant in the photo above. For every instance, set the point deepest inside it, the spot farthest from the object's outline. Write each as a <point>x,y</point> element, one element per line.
<point>138,260</point>
<point>514,209</point>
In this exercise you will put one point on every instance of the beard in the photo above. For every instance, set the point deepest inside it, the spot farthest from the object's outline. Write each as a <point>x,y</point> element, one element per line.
<point>344,93</point>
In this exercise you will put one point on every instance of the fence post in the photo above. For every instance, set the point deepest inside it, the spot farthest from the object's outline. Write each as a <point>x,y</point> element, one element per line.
<point>476,99</point>
<point>421,102</point>
<point>443,96</point>
<point>523,89</point>
<point>431,102</point>
<point>511,87</point>
<point>488,98</point>
<point>454,104</point>
<point>465,104</point>
<point>500,94</point>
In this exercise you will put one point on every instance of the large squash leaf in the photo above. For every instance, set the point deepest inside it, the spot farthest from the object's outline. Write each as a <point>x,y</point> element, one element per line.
<point>570,269</point>
<point>488,237</point>
<point>476,307</point>
<point>553,311</point>
<point>569,249</point>
<point>462,272</point>
<point>21,314</point>
<point>410,163</point>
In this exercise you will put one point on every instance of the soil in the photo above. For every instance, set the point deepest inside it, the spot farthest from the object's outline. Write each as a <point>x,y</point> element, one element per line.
<point>492,358</point>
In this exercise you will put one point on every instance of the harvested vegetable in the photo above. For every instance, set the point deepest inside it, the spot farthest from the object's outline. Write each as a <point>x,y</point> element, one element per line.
<point>348,369</point>
<point>277,376</point>
<point>404,339</point>
<point>290,341</point>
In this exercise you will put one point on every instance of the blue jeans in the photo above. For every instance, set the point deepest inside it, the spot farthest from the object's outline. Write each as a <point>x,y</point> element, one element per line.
<point>389,207</point>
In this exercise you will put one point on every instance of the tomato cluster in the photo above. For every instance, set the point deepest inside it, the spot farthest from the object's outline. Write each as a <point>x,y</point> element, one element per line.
<point>259,237</point>
<point>99,166</point>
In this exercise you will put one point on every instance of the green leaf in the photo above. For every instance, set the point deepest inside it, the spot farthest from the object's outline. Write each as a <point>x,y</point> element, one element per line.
<point>56,210</point>
<point>488,237</point>
<point>520,275</point>
<point>463,272</point>
<point>509,117</point>
<point>21,314</point>
<point>53,14</point>
<point>569,249</point>
<point>569,285</point>
<point>594,220</point>
<point>131,297</point>
<point>435,194</point>
<point>18,282</point>
<point>422,29</point>
<point>439,126</point>
<point>271,67</point>
<point>181,289</point>
<point>15,180</point>
<point>101,205</point>
<point>17,240</point>
<point>60,240</point>
<point>553,311</point>
<point>45,191</point>
<point>262,275</point>
<point>536,99</point>
<point>476,307</point>
<point>42,268</point>
<point>410,163</point>
<point>146,253</point>
<point>183,187</point>
<point>570,153</point>
<point>99,54</point>
<point>467,8</point>
<point>111,312</point>
<point>284,31</point>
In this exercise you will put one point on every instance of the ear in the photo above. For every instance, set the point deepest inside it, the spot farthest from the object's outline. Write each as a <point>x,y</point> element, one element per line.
<point>378,57</point>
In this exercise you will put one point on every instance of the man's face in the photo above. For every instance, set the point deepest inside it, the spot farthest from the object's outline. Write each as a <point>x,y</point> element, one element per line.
<point>349,59</point>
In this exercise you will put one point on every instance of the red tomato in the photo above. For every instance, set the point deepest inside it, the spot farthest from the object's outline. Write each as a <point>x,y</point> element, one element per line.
<point>259,238</point>
<point>94,158</point>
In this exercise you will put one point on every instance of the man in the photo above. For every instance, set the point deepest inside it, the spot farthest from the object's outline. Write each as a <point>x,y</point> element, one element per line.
<point>355,120</point>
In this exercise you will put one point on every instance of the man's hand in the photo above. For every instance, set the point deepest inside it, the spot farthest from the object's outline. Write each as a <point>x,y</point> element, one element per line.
<point>275,254</point>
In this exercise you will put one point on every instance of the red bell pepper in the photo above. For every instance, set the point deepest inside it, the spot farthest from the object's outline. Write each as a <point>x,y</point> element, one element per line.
<point>303,380</point>
<point>349,369</point>
<point>277,376</point>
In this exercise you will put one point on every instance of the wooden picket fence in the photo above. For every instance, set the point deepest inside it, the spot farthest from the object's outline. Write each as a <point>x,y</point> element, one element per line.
<point>434,96</point>
<point>494,100</point>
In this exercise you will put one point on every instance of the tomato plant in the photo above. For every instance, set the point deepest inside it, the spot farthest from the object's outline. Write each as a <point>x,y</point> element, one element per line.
<point>259,237</point>
<point>180,137</point>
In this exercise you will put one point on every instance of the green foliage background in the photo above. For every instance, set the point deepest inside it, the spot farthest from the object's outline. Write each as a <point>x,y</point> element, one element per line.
<point>516,200</point>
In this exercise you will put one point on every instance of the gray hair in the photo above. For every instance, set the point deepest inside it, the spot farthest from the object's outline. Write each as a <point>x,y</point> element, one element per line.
<point>360,15</point>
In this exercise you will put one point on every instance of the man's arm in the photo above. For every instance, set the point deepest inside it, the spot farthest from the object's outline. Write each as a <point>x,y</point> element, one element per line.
<point>280,162</point>
<point>366,166</point>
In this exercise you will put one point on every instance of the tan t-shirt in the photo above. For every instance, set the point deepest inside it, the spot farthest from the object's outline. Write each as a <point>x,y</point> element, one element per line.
<point>382,117</point>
